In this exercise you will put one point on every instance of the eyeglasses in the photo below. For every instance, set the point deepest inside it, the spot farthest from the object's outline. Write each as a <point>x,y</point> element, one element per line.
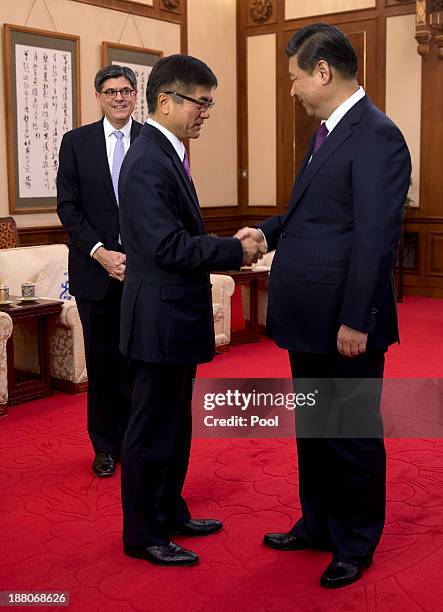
<point>202,104</point>
<point>125,92</point>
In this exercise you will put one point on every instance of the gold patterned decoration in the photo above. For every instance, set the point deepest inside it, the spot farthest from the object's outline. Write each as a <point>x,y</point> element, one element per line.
<point>171,5</point>
<point>437,24</point>
<point>429,26</point>
<point>420,12</point>
<point>260,10</point>
<point>423,32</point>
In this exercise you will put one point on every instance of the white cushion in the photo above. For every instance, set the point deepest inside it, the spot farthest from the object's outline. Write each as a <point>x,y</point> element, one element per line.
<point>53,281</point>
<point>25,263</point>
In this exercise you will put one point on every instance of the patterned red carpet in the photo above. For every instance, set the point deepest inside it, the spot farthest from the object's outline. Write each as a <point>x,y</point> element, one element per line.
<point>60,526</point>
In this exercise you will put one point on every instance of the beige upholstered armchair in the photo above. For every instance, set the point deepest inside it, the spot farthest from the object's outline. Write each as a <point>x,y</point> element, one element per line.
<point>5,332</point>
<point>47,266</point>
<point>222,289</point>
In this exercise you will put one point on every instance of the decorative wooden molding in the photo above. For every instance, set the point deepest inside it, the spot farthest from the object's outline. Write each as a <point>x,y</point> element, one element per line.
<point>436,20</point>
<point>155,11</point>
<point>69,387</point>
<point>429,26</point>
<point>439,41</point>
<point>423,33</point>
<point>423,36</point>
<point>33,236</point>
<point>435,254</point>
<point>171,5</point>
<point>260,10</point>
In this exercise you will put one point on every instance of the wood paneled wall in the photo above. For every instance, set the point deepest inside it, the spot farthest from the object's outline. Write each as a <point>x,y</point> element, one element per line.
<point>366,29</point>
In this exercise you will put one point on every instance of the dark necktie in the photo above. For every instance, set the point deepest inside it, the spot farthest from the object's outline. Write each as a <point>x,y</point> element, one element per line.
<point>320,136</point>
<point>187,166</point>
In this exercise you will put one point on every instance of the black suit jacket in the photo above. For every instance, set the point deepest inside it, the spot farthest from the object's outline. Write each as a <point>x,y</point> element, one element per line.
<point>87,206</point>
<point>335,245</point>
<point>166,305</point>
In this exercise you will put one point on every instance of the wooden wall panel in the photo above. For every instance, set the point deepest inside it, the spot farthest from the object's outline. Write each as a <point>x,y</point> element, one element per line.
<point>261,63</point>
<point>435,249</point>
<point>295,9</point>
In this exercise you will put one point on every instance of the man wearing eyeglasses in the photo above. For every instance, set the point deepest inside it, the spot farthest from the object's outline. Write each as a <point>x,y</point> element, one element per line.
<point>87,204</point>
<point>167,326</point>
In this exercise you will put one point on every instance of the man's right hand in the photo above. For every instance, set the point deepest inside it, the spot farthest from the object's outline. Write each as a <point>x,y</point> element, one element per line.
<point>253,244</point>
<point>113,262</point>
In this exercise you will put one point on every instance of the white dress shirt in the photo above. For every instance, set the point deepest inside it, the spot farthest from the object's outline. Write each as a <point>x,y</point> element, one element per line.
<point>344,107</point>
<point>110,141</point>
<point>176,142</point>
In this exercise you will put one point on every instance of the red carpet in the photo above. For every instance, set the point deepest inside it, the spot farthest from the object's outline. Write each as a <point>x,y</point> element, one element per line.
<point>61,526</point>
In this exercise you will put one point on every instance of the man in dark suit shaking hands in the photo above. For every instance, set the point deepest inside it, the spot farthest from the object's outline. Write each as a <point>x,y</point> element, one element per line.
<point>167,326</point>
<point>331,296</point>
<point>87,204</point>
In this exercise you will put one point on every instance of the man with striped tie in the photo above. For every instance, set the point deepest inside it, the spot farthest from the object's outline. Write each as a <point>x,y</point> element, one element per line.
<point>87,204</point>
<point>167,326</point>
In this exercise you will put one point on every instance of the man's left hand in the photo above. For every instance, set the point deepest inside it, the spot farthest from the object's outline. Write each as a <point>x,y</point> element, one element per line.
<point>351,342</point>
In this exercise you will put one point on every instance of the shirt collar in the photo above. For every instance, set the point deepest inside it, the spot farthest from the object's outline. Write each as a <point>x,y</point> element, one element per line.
<point>176,142</point>
<point>344,107</point>
<point>110,129</point>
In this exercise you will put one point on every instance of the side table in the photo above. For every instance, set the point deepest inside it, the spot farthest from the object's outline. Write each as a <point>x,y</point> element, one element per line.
<point>250,278</point>
<point>23,386</point>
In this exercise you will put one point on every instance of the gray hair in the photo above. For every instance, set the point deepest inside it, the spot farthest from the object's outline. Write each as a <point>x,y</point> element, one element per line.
<point>114,71</point>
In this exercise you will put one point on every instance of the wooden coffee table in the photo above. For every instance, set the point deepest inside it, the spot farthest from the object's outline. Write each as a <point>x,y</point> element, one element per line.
<point>23,386</point>
<point>250,278</point>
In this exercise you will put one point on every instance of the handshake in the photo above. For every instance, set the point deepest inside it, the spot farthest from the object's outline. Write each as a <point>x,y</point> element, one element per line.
<point>253,243</point>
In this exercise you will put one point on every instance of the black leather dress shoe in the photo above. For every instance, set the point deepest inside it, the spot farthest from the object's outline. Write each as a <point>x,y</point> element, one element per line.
<point>339,574</point>
<point>170,554</point>
<point>199,527</point>
<point>284,541</point>
<point>103,465</point>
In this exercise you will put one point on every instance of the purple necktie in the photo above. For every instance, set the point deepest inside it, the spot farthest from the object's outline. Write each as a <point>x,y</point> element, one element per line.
<point>117,160</point>
<point>187,166</point>
<point>320,136</point>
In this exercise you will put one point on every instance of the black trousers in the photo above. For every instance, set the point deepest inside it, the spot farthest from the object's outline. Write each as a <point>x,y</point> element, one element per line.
<point>342,480</point>
<point>109,394</point>
<point>155,452</point>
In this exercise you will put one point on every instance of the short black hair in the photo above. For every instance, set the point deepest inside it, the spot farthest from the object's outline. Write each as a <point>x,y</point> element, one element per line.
<point>181,73</point>
<point>114,71</point>
<point>321,41</point>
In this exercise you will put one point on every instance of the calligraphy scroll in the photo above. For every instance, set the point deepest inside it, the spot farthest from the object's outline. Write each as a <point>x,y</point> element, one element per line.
<point>141,61</point>
<point>42,103</point>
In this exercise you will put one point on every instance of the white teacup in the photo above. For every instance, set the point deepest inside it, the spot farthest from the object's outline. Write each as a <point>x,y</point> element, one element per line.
<point>4,293</point>
<point>28,291</point>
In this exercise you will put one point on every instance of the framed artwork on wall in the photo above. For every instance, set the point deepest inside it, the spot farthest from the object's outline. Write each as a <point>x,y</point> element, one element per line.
<point>141,61</point>
<point>42,102</point>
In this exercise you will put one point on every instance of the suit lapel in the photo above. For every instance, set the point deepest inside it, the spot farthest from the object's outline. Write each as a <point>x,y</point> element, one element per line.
<point>337,137</point>
<point>167,147</point>
<point>135,130</point>
<point>96,140</point>
<point>306,158</point>
<point>189,185</point>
